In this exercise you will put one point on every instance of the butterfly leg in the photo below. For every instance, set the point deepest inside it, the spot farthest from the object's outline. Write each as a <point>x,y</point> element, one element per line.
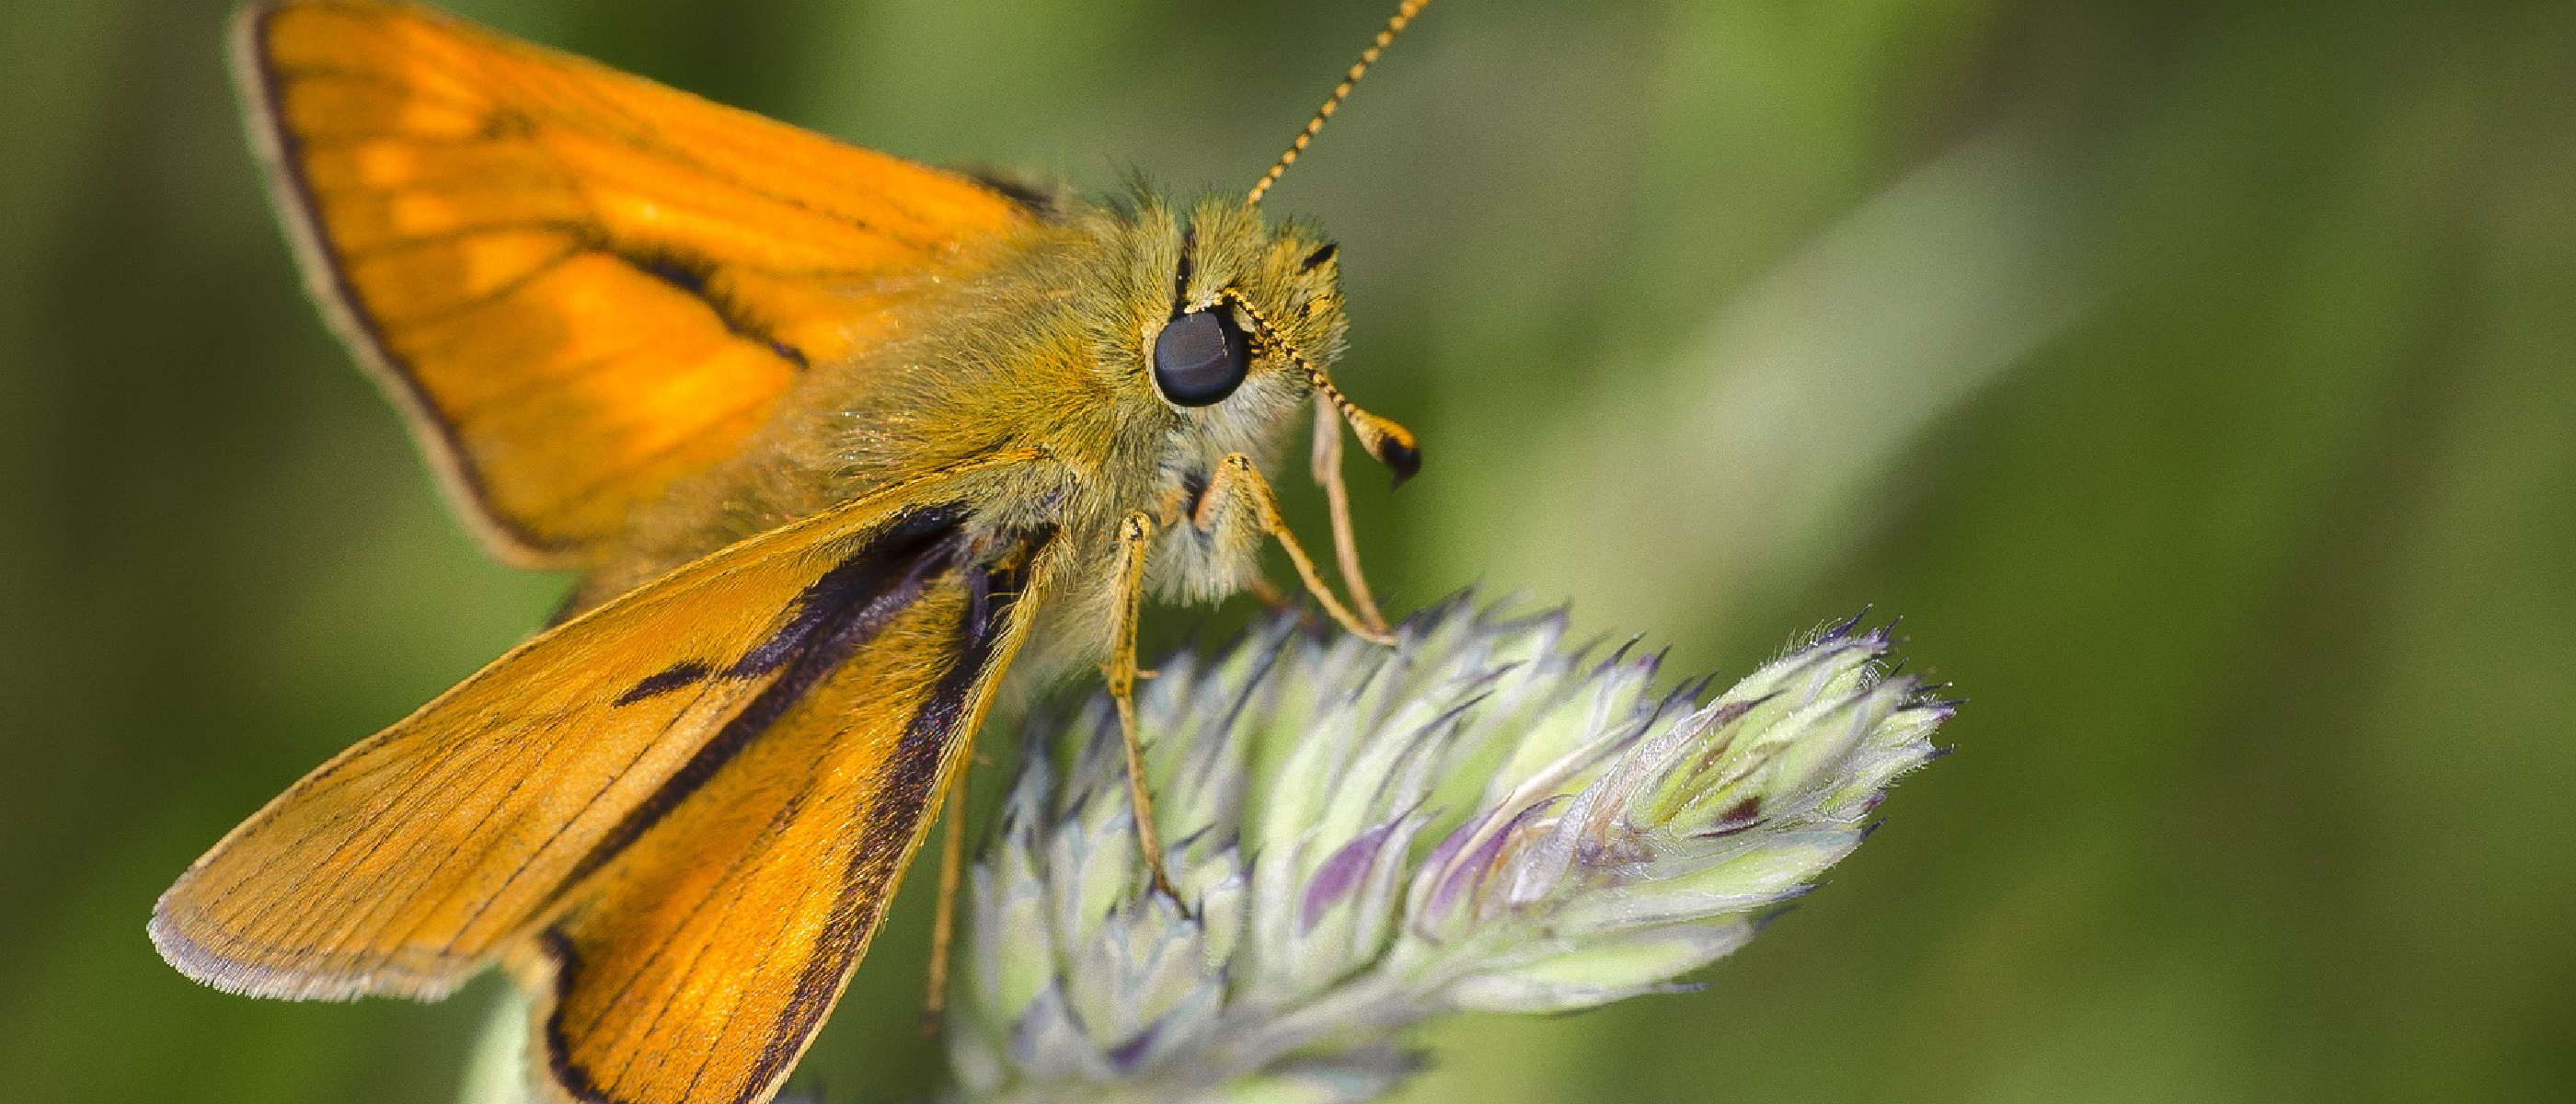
<point>1326,457</point>
<point>1238,498</point>
<point>943,924</point>
<point>1268,594</point>
<point>1135,536</point>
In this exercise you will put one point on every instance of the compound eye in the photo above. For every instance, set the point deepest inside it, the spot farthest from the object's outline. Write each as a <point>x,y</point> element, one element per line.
<point>1200,358</point>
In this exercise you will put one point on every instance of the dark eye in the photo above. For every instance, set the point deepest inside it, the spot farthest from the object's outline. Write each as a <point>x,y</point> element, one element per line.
<point>1200,358</point>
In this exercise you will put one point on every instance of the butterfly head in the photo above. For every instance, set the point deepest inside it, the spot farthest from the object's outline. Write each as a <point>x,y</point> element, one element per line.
<point>1255,313</point>
<point>1253,321</point>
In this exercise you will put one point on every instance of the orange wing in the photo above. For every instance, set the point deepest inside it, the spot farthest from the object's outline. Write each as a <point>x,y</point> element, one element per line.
<point>696,966</point>
<point>580,284</point>
<point>678,817</point>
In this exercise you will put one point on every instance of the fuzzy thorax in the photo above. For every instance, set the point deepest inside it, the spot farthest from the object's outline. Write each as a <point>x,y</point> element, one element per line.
<point>1043,341</point>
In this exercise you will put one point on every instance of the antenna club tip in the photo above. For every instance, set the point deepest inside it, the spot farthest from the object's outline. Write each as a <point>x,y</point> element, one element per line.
<point>1400,454</point>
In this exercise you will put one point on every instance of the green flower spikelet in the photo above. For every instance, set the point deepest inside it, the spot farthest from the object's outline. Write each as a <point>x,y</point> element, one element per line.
<point>1481,818</point>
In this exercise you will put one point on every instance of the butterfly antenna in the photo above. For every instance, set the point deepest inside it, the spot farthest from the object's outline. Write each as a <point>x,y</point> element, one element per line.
<point>1404,14</point>
<point>1392,444</point>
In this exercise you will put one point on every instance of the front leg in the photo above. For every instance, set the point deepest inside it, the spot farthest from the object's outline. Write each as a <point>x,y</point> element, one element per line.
<point>1239,509</point>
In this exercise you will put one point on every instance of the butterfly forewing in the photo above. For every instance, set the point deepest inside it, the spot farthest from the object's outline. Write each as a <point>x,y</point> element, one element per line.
<point>581,284</point>
<point>408,861</point>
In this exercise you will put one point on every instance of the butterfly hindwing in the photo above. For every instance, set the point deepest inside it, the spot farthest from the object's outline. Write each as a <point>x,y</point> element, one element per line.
<point>581,285</point>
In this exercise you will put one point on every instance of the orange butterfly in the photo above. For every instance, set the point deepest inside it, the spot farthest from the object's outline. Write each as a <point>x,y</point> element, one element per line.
<point>835,441</point>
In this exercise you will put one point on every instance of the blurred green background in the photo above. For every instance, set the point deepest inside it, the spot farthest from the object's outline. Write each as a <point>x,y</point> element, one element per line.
<point>2199,379</point>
